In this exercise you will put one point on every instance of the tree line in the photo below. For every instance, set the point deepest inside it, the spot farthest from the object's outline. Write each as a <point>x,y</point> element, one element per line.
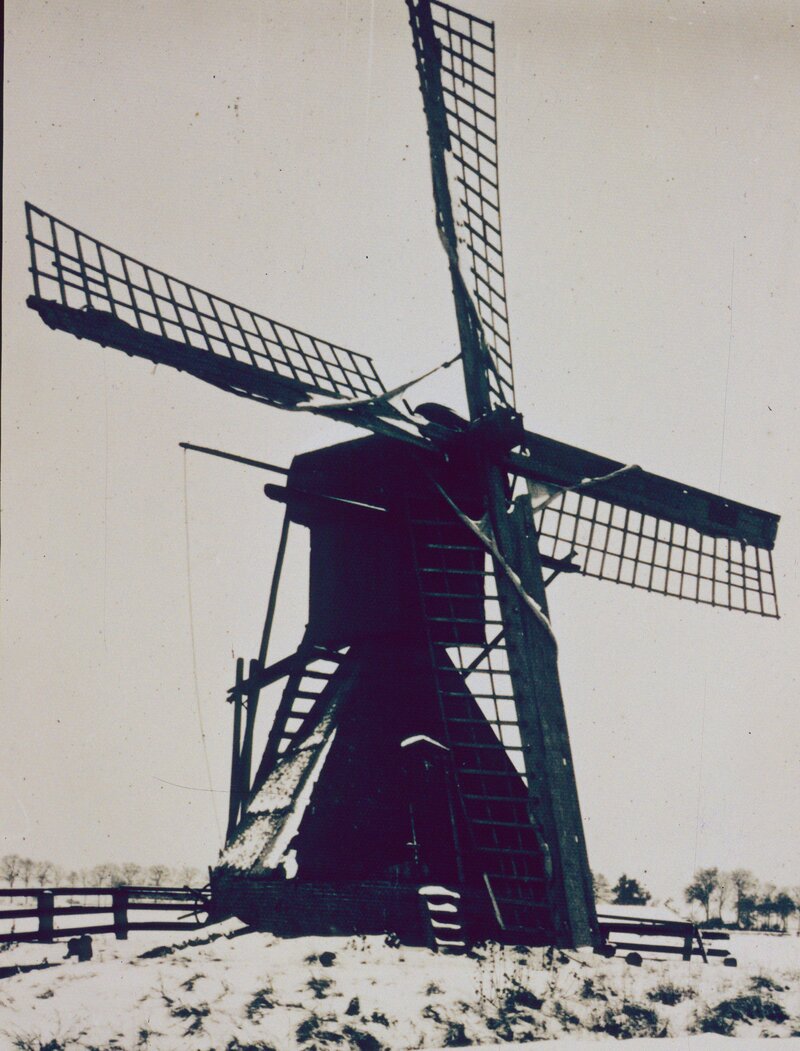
<point>736,898</point>
<point>749,902</point>
<point>17,871</point>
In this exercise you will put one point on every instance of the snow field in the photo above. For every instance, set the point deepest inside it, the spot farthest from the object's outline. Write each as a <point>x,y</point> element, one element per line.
<point>227,989</point>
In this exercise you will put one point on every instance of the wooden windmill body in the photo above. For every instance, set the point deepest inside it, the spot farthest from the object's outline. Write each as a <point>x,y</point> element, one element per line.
<point>417,777</point>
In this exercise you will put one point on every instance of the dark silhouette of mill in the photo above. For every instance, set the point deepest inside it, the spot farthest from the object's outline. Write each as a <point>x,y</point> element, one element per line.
<point>417,777</point>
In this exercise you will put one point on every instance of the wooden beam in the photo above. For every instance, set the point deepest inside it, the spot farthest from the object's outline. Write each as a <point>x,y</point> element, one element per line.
<point>650,494</point>
<point>119,898</point>
<point>235,799</point>
<point>44,909</point>
<point>236,377</point>
<point>260,464</point>
<point>474,355</point>
<point>246,757</point>
<point>105,328</point>
<point>265,676</point>
<point>532,657</point>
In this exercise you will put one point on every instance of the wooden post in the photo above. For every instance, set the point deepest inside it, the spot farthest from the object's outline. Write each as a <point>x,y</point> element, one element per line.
<point>44,904</point>
<point>273,591</point>
<point>119,901</point>
<point>688,944</point>
<point>701,944</point>
<point>246,757</point>
<point>235,799</point>
<point>532,656</point>
<point>243,771</point>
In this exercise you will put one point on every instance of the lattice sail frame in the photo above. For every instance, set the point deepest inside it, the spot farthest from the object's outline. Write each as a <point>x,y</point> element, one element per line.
<point>489,770</point>
<point>486,675</point>
<point>654,554</point>
<point>467,72</point>
<point>445,590</point>
<point>78,271</point>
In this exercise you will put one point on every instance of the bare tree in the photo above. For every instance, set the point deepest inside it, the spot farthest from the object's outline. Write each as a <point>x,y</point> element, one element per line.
<point>131,874</point>
<point>187,876</point>
<point>765,905</point>
<point>26,867</point>
<point>45,872</point>
<point>744,886</point>
<point>702,887</point>
<point>157,875</point>
<point>103,874</point>
<point>784,905</point>
<point>10,869</point>
<point>724,891</point>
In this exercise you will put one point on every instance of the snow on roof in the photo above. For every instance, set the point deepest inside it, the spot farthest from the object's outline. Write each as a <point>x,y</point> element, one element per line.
<point>274,815</point>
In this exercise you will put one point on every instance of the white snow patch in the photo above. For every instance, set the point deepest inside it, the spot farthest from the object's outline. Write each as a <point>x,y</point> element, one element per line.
<point>220,988</point>
<point>442,892</point>
<point>417,738</point>
<point>274,815</point>
<point>542,494</point>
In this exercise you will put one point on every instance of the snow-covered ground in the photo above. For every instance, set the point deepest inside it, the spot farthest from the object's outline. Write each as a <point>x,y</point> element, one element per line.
<point>226,988</point>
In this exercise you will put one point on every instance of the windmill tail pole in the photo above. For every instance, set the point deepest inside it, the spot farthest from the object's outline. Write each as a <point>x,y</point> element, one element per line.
<point>261,464</point>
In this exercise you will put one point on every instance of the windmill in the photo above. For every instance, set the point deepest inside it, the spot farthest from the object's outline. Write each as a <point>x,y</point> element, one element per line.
<point>420,741</point>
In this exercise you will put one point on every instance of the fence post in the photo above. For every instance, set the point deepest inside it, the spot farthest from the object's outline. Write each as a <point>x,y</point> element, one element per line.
<point>119,901</point>
<point>44,905</point>
<point>236,757</point>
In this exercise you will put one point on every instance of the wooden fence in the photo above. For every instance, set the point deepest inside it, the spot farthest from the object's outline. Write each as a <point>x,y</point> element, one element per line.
<point>685,939</point>
<point>122,902</point>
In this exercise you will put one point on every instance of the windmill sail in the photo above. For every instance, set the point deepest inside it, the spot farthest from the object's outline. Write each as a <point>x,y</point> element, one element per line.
<point>95,292</point>
<point>455,62</point>
<point>636,528</point>
<point>456,65</point>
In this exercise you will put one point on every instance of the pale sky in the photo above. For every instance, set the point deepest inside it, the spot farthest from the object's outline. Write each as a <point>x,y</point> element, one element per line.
<point>275,153</point>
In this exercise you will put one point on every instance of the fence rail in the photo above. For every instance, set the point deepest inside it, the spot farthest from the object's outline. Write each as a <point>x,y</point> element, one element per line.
<point>689,941</point>
<point>191,902</point>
